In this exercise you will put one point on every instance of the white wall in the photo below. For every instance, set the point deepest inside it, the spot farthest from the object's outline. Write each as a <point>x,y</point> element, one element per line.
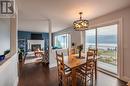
<point>9,72</point>
<point>4,35</point>
<point>9,69</point>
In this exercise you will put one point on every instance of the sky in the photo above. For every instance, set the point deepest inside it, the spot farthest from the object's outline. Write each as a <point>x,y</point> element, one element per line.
<point>107,30</point>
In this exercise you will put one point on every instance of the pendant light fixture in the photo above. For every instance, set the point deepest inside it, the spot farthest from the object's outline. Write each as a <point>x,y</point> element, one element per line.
<point>81,24</point>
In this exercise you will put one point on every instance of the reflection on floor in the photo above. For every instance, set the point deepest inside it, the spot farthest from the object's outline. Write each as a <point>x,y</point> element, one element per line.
<point>37,74</point>
<point>108,67</point>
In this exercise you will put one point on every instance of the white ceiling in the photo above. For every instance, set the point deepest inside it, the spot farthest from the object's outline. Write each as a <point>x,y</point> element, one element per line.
<point>33,14</point>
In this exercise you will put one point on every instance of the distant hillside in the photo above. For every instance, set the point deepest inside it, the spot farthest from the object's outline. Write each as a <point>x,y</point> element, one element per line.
<point>112,39</point>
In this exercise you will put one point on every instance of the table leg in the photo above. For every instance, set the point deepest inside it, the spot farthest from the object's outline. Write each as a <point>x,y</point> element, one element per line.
<point>96,69</point>
<point>74,77</point>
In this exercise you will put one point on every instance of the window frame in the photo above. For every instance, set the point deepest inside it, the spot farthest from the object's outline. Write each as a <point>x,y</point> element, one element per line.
<point>67,40</point>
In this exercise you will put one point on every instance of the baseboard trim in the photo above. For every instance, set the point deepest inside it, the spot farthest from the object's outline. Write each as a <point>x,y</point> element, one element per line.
<point>123,78</point>
<point>52,65</point>
<point>126,79</point>
<point>108,72</point>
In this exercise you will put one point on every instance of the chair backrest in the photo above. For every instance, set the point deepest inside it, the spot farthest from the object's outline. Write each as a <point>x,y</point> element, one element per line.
<point>90,60</point>
<point>90,55</point>
<point>93,50</point>
<point>60,63</point>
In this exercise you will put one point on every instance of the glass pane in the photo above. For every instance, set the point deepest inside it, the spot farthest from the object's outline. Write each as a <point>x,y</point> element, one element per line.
<point>61,41</point>
<point>90,39</point>
<point>107,47</point>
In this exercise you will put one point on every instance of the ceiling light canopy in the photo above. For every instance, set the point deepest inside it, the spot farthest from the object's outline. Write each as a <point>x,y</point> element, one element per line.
<point>81,24</point>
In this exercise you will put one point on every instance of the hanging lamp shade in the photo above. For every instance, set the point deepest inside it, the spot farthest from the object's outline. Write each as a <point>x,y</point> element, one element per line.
<point>81,24</point>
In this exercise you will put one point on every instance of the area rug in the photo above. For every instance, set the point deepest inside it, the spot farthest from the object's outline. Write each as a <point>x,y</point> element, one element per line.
<point>32,60</point>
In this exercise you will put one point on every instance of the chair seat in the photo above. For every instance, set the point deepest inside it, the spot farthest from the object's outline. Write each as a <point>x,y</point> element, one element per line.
<point>83,71</point>
<point>90,66</point>
<point>67,73</point>
<point>84,68</point>
<point>67,68</point>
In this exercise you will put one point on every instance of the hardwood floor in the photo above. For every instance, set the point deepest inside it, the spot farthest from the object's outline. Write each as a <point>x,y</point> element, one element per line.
<point>37,74</point>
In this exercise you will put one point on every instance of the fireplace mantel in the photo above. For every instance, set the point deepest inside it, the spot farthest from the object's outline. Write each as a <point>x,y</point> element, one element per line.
<point>34,42</point>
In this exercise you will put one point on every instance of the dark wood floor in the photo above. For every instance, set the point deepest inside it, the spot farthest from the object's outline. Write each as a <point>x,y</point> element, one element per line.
<point>37,74</point>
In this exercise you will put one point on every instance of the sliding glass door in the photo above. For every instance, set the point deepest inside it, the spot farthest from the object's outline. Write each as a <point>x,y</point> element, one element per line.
<point>107,48</point>
<point>105,40</point>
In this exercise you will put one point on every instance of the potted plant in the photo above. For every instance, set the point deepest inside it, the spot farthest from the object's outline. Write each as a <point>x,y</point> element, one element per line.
<point>21,53</point>
<point>2,57</point>
<point>80,48</point>
<point>6,53</point>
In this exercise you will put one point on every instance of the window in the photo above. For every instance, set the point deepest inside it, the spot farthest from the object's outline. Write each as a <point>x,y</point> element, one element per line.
<point>90,39</point>
<point>105,40</point>
<point>62,41</point>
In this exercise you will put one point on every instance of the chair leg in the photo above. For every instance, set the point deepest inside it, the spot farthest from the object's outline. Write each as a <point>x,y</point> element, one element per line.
<point>83,80</point>
<point>59,82</point>
<point>95,70</point>
<point>92,78</point>
<point>68,79</point>
<point>65,82</point>
<point>83,83</point>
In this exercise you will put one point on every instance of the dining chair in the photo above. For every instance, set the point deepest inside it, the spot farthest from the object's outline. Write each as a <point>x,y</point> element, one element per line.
<point>95,59</point>
<point>94,51</point>
<point>85,72</point>
<point>63,74</point>
<point>45,57</point>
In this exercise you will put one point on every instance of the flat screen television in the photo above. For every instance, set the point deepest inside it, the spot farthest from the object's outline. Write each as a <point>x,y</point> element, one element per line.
<point>36,36</point>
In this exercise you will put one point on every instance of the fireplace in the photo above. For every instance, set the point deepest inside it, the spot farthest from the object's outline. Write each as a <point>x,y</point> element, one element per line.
<point>35,47</point>
<point>35,44</point>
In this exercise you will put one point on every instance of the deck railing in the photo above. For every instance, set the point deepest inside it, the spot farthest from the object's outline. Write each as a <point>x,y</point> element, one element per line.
<point>107,53</point>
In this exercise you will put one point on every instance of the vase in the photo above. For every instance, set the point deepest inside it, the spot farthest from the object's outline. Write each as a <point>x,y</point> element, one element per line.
<point>79,54</point>
<point>2,57</point>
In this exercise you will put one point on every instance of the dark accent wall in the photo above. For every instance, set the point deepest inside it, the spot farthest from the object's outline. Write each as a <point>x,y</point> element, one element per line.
<point>25,35</point>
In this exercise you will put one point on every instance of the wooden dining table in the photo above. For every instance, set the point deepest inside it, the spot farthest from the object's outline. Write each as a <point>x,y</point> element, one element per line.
<point>73,62</point>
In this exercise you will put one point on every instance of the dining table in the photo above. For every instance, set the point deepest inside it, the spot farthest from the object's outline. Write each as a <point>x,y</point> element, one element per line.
<point>73,62</point>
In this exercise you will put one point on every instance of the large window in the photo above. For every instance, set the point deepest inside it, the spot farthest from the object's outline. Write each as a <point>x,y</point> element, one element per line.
<point>62,41</point>
<point>105,40</point>
<point>91,39</point>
